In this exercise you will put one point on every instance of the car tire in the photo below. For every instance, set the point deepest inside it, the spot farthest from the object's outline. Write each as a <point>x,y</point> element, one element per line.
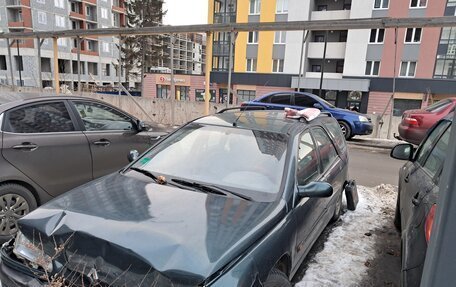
<point>18,196</point>
<point>397,215</point>
<point>346,130</point>
<point>277,278</point>
<point>338,209</point>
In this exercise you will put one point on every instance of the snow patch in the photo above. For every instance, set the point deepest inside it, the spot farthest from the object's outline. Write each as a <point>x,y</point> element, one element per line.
<point>342,262</point>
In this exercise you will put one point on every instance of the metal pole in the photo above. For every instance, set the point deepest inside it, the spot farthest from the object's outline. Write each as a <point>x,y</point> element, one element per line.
<point>230,67</point>
<point>40,75</point>
<point>120,65</point>
<point>78,47</point>
<point>304,39</point>
<point>441,254</point>
<point>56,67</point>
<point>173,87</point>
<point>13,84</point>
<point>207,92</point>
<point>20,63</point>
<point>390,124</point>
<point>323,64</point>
<point>143,64</point>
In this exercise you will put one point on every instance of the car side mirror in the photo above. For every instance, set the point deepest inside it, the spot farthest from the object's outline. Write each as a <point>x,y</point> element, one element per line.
<point>402,152</point>
<point>142,126</point>
<point>318,106</point>
<point>133,155</point>
<point>315,189</point>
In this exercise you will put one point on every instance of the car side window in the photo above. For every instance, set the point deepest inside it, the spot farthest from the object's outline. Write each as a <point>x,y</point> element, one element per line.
<point>304,101</point>
<point>265,99</point>
<point>436,158</point>
<point>307,169</point>
<point>282,99</point>
<point>337,135</point>
<point>429,142</point>
<point>98,117</point>
<point>39,118</point>
<point>326,148</point>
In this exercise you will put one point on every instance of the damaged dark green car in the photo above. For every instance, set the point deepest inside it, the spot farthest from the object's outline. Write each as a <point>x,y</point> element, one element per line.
<point>233,199</point>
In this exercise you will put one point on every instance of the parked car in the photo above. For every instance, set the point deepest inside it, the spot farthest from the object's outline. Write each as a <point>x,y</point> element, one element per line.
<point>232,199</point>
<point>416,123</point>
<point>417,197</point>
<point>49,145</point>
<point>352,123</point>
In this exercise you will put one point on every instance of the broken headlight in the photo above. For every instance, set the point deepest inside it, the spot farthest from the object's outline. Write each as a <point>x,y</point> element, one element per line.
<point>34,254</point>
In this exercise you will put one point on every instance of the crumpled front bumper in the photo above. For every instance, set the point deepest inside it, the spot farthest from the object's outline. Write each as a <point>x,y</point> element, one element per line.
<point>15,274</point>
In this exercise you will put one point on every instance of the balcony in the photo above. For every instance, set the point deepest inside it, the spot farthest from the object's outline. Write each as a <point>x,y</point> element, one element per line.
<point>330,15</point>
<point>328,75</point>
<point>228,17</point>
<point>15,3</point>
<point>77,15</point>
<point>333,50</point>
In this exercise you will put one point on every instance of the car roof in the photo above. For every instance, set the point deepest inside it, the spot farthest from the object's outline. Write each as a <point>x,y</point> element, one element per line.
<point>264,120</point>
<point>11,100</point>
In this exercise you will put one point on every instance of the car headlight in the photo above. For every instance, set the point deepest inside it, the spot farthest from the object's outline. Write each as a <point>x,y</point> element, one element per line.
<point>363,119</point>
<point>25,249</point>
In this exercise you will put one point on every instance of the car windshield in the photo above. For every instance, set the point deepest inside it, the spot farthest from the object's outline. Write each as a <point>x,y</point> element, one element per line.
<point>438,106</point>
<point>248,161</point>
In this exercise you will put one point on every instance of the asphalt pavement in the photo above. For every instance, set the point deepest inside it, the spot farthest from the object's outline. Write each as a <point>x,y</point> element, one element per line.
<point>373,166</point>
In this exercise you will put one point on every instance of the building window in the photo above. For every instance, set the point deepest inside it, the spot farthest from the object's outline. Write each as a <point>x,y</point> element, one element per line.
<point>255,7</point>
<point>377,36</point>
<point>322,8</point>
<point>282,6</point>
<point>42,17</point>
<point>418,3</point>
<point>251,65</point>
<point>41,1</point>
<point>316,68</point>
<point>407,69</point>
<point>340,67</point>
<point>280,37</point>
<point>2,63</point>
<point>62,42</point>
<point>182,93</point>
<point>413,35</point>
<point>60,21</point>
<point>245,95</point>
<point>59,4</point>
<point>381,4</point>
<point>319,38</point>
<point>253,37</point>
<point>277,66</point>
<point>104,13</point>
<point>105,47</point>
<point>163,91</point>
<point>372,68</point>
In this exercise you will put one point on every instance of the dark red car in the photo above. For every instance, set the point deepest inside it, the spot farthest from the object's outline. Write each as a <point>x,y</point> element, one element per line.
<point>416,123</point>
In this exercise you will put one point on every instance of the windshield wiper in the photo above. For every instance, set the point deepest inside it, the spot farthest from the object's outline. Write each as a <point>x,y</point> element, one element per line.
<point>209,188</point>
<point>157,179</point>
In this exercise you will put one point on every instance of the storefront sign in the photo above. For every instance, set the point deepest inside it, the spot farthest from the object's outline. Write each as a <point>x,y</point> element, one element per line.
<point>165,79</point>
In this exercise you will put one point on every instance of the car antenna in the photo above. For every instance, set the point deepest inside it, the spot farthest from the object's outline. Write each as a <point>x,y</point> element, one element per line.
<point>240,114</point>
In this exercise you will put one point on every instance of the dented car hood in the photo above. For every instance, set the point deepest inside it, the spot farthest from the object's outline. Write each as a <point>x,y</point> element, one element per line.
<point>126,224</point>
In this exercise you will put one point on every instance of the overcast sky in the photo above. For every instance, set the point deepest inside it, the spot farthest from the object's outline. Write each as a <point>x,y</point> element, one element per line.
<point>185,12</point>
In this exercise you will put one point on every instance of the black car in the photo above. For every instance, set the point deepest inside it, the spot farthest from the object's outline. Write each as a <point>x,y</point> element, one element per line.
<point>417,198</point>
<point>233,199</point>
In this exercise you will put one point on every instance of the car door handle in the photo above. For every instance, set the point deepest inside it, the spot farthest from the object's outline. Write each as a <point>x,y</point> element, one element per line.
<point>102,142</point>
<point>406,178</point>
<point>416,200</point>
<point>26,146</point>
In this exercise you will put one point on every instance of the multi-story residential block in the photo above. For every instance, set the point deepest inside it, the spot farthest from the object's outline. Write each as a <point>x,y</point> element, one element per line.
<point>99,56</point>
<point>359,65</point>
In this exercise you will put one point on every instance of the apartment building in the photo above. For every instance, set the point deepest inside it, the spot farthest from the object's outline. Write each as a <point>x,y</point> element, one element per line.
<point>98,57</point>
<point>359,65</point>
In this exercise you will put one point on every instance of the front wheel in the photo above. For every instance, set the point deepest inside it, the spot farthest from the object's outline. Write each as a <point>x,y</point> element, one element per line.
<point>346,130</point>
<point>277,278</point>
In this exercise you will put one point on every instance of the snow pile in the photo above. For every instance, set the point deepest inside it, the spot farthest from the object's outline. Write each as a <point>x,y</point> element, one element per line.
<point>350,245</point>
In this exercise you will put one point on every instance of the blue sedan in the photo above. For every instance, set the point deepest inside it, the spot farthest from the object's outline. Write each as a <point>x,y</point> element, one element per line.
<point>351,123</point>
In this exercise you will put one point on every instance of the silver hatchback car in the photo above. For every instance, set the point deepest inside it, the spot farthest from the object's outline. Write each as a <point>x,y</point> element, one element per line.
<point>51,144</point>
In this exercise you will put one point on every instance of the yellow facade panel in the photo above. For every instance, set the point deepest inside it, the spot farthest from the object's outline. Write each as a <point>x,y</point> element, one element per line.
<point>266,39</point>
<point>240,62</point>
